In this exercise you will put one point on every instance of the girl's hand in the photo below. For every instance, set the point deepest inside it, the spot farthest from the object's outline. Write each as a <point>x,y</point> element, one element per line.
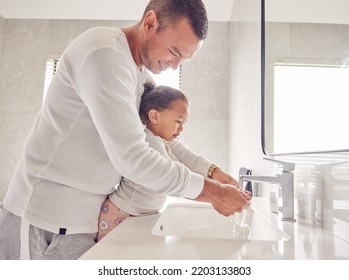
<point>225,178</point>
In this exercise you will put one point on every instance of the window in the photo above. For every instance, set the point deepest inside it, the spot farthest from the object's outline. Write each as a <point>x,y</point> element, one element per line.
<point>169,77</point>
<point>51,68</point>
<point>301,87</point>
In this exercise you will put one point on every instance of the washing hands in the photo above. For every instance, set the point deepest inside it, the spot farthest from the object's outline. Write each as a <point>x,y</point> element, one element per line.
<point>224,193</point>
<point>229,181</point>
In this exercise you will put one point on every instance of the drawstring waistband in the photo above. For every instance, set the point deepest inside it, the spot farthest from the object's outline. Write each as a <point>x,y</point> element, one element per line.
<point>25,251</point>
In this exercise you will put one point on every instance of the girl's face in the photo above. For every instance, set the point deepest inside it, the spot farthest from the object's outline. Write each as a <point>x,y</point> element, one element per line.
<point>168,124</point>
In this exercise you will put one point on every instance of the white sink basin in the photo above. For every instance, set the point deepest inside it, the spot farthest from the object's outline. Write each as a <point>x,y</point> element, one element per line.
<point>202,221</point>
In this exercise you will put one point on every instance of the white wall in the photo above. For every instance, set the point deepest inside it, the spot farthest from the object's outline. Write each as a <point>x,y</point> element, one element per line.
<point>330,11</point>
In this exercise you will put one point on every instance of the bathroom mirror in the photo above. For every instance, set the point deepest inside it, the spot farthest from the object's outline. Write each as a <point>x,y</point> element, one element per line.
<point>305,76</point>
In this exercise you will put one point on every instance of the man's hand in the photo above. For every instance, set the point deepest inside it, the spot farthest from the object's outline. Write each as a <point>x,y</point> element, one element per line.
<point>226,199</point>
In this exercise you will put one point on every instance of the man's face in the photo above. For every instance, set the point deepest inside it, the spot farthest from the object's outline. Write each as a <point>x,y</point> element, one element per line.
<point>169,47</point>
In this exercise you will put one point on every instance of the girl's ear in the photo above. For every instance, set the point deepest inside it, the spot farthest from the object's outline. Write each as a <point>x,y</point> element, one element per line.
<point>153,116</point>
<point>150,22</point>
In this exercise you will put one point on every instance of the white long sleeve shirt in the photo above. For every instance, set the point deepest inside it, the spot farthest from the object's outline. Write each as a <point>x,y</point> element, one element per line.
<point>136,200</point>
<point>87,135</point>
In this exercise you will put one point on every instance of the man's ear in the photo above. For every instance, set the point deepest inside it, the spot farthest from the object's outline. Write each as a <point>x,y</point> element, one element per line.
<point>150,22</point>
<point>153,116</point>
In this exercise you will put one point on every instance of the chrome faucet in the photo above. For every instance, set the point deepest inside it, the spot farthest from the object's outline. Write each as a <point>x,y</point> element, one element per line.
<point>286,181</point>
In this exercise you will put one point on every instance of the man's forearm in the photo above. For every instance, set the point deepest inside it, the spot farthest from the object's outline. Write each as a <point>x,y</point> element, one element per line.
<point>211,191</point>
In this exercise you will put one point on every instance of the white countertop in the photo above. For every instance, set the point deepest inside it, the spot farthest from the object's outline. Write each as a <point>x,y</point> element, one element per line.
<point>132,240</point>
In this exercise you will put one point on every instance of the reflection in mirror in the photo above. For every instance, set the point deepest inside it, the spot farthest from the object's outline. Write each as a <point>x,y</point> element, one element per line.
<point>305,76</point>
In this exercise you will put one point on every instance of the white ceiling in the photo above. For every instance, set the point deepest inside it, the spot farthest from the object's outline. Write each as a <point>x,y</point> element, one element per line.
<point>217,10</point>
<point>324,11</point>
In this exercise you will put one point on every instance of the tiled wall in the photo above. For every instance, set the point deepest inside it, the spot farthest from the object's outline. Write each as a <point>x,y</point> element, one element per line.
<point>2,27</point>
<point>26,46</point>
<point>205,79</point>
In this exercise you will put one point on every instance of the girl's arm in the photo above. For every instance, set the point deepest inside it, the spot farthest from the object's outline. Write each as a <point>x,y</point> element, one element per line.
<point>200,164</point>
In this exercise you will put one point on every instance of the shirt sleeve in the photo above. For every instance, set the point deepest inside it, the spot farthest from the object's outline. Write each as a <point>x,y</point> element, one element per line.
<point>193,161</point>
<point>191,191</point>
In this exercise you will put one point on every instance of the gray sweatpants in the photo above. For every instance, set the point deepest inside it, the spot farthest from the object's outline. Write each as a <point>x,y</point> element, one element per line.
<point>42,244</point>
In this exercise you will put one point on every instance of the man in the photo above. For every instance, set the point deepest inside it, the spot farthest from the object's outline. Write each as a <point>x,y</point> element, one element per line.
<point>88,134</point>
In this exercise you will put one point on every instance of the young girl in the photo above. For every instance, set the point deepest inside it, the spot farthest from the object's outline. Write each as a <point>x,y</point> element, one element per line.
<point>163,111</point>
